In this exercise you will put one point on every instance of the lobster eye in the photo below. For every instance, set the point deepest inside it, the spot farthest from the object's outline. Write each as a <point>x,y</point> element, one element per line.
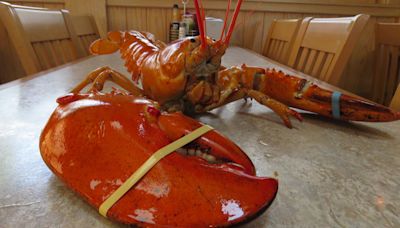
<point>192,40</point>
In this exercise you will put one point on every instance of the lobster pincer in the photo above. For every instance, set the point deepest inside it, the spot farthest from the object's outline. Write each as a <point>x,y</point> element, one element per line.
<point>94,142</point>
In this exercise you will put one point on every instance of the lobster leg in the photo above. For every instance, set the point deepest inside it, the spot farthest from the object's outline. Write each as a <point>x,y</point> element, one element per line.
<point>99,76</point>
<point>303,94</point>
<point>279,108</point>
<point>230,88</point>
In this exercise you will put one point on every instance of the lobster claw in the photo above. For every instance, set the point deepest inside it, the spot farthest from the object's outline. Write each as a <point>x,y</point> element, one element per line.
<point>175,125</point>
<point>94,143</point>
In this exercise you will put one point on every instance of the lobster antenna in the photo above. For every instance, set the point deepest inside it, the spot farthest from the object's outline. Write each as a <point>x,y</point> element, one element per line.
<point>200,24</point>
<point>203,15</point>
<point>232,25</point>
<point>226,19</point>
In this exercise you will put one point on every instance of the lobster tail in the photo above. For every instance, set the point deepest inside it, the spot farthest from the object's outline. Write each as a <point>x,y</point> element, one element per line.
<point>106,45</point>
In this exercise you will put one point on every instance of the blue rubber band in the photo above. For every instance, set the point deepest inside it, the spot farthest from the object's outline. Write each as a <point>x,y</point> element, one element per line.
<point>336,104</point>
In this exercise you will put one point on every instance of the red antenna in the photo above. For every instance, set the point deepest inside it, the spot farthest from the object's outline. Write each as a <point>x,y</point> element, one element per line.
<point>226,19</point>
<point>200,23</point>
<point>232,25</point>
<point>203,16</point>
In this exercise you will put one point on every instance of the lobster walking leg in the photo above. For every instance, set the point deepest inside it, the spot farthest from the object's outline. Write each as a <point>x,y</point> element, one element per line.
<point>279,108</point>
<point>99,76</point>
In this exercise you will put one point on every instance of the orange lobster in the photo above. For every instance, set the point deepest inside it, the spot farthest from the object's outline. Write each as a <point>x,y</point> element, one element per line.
<point>187,76</point>
<point>94,141</point>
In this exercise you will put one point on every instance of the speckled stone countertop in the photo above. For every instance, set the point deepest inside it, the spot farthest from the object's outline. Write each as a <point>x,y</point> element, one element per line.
<point>331,173</point>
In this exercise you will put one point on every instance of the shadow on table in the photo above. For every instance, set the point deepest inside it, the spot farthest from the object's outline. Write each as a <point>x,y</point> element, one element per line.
<point>357,127</point>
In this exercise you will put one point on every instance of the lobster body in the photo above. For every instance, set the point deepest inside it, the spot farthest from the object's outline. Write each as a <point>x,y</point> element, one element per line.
<point>119,132</point>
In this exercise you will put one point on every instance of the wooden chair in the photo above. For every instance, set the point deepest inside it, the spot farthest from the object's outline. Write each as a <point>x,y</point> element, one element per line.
<point>395,103</point>
<point>280,39</point>
<point>86,30</point>
<point>326,45</point>
<point>43,38</point>
<point>387,68</point>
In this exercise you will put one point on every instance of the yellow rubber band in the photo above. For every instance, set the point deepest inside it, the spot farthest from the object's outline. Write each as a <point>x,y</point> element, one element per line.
<point>151,161</point>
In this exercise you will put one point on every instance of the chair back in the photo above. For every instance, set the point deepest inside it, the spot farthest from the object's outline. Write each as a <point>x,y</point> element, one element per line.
<point>86,30</point>
<point>43,38</point>
<point>280,39</point>
<point>325,47</point>
<point>387,68</point>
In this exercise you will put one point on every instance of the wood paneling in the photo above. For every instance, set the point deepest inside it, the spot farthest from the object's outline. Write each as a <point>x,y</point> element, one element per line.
<point>42,4</point>
<point>136,18</point>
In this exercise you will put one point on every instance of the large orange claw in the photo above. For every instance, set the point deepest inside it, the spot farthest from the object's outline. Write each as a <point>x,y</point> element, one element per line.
<point>95,142</point>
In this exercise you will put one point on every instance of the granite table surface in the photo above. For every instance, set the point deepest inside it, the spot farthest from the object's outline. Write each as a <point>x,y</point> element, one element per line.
<point>331,173</point>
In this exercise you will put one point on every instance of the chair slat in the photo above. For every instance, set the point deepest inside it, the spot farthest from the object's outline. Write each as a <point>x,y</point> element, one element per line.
<point>83,43</point>
<point>283,53</point>
<point>316,70</point>
<point>58,52</point>
<point>275,44</point>
<point>41,53</point>
<point>50,53</point>
<point>325,67</point>
<point>303,58</point>
<point>68,54</point>
<point>395,103</point>
<point>280,49</point>
<point>381,69</point>
<point>310,62</point>
<point>392,76</point>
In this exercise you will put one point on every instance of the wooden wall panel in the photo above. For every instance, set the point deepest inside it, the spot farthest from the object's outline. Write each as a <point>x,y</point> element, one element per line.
<point>253,30</point>
<point>42,4</point>
<point>158,21</point>
<point>116,18</point>
<point>154,20</point>
<point>136,19</point>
